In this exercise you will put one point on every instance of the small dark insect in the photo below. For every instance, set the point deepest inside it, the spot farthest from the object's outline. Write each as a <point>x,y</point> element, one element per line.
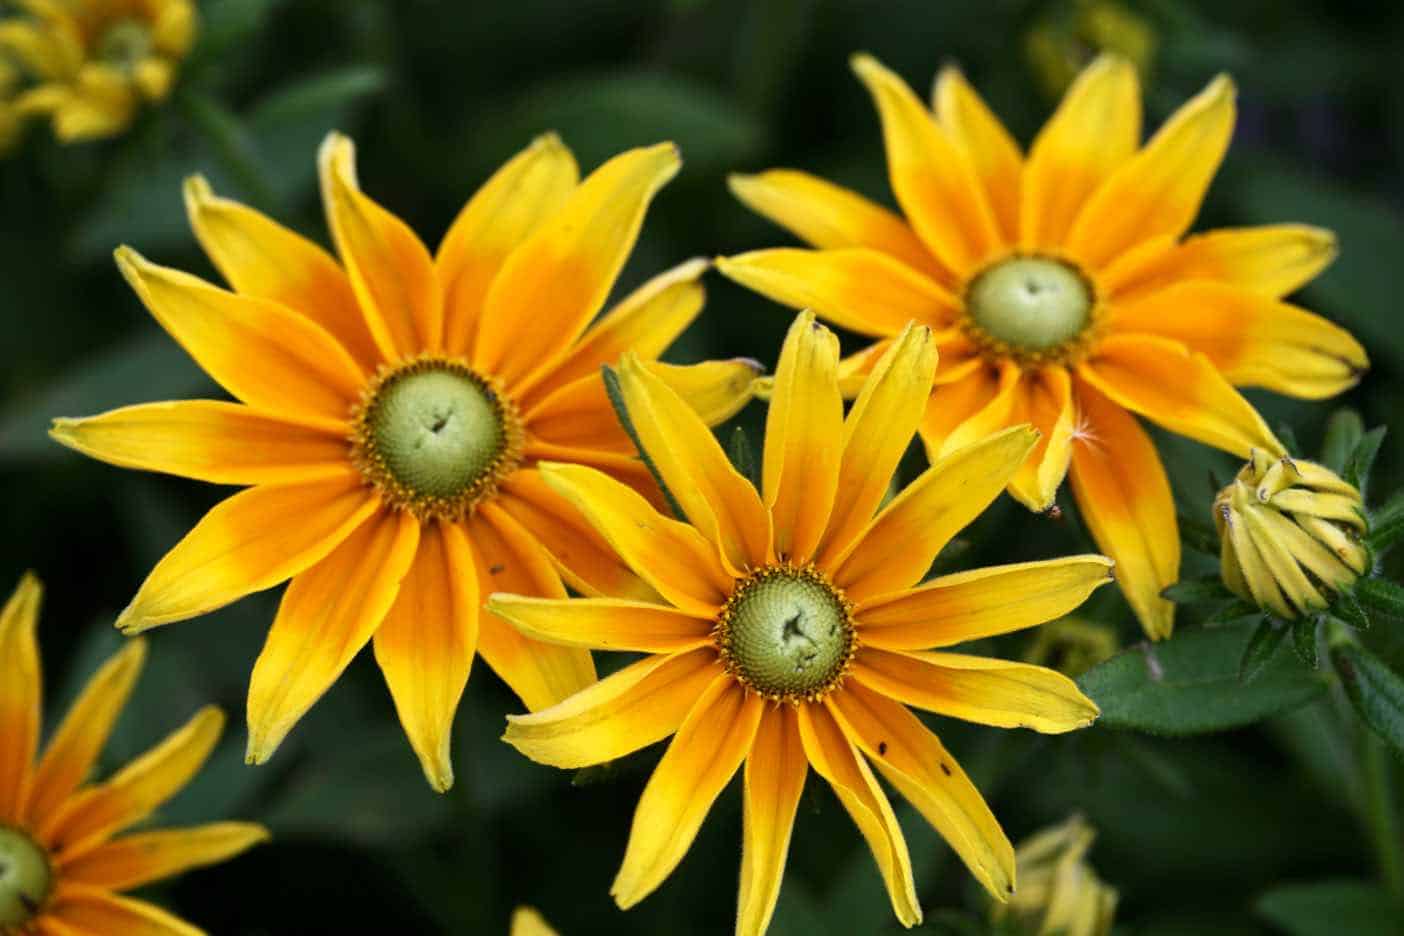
<point>945,770</point>
<point>882,747</point>
<point>496,569</point>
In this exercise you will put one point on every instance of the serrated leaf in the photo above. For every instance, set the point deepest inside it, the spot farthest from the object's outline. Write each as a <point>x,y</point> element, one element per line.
<point>1347,607</point>
<point>1196,591</point>
<point>1189,684</point>
<point>1376,691</point>
<point>621,412</point>
<point>743,456</point>
<point>1343,432</point>
<point>1304,640</point>
<point>1362,459</point>
<point>1386,529</point>
<point>1259,650</point>
<point>1330,908</point>
<point>1381,596</point>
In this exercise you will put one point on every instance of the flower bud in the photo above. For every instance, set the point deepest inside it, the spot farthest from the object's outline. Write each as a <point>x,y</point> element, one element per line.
<point>1290,535</point>
<point>1058,892</point>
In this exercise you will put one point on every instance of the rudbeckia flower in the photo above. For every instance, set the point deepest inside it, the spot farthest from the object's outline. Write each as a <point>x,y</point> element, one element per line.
<point>1063,293</point>
<point>10,118</point>
<point>790,631</point>
<point>64,859</point>
<point>391,413</point>
<point>93,62</point>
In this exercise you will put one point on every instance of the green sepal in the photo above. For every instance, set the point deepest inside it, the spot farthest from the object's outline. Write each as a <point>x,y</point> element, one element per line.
<point>1348,608</point>
<point>1196,591</point>
<point>1376,691</point>
<point>1199,535</point>
<point>621,411</point>
<point>1362,459</point>
<point>1386,525</point>
<point>1343,432</point>
<point>1304,640</point>
<point>1236,611</point>
<point>1259,650</point>
<point>1381,596</point>
<point>743,456</point>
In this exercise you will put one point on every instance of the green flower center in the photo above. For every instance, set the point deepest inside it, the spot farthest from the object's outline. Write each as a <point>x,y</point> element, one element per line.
<point>25,877</point>
<point>435,437</point>
<point>786,633</point>
<point>125,43</point>
<point>1032,304</point>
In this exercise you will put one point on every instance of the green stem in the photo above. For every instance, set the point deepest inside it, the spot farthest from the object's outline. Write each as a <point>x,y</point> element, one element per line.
<point>1382,812</point>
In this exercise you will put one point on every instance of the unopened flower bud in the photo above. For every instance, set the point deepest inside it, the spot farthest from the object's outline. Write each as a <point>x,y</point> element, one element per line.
<point>1058,892</point>
<point>1290,534</point>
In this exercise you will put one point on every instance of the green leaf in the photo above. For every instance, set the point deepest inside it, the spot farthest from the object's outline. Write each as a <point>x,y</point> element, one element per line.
<point>1347,607</point>
<point>1236,611</point>
<point>226,24</point>
<point>1288,437</point>
<point>1386,526</point>
<point>1343,432</point>
<point>1381,596</point>
<point>1196,591</point>
<point>1189,684</point>
<point>1304,640</point>
<point>1199,535</point>
<point>1260,649</point>
<point>1376,691</point>
<point>1362,459</point>
<point>1330,908</point>
<point>743,456</point>
<point>621,411</point>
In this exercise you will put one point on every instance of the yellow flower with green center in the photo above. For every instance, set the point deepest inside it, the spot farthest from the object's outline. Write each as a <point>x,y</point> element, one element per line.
<point>790,630</point>
<point>392,410</point>
<point>1291,533</point>
<point>1063,293</point>
<point>1059,892</point>
<point>64,859</point>
<point>93,62</point>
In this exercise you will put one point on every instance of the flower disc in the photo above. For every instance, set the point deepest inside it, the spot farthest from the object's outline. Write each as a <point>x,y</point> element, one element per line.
<point>25,877</point>
<point>1030,303</point>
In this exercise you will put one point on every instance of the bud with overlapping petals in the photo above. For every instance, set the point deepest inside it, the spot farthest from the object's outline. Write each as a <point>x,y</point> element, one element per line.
<point>1058,891</point>
<point>1291,534</point>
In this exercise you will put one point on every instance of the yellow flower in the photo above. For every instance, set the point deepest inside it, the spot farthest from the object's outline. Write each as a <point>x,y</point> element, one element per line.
<point>392,413</point>
<point>790,631</point>
<point>1291,534</point>
<point>95,61</point>
<point>1062,294</point>
<point>527,922</point>
<point>1065,40</point>
<point>1059,893</point>
<point>62,862</point>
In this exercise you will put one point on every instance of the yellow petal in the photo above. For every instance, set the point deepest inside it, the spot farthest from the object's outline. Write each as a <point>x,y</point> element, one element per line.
<point>716,390</point>
<point>978,689</point>
<point>579,415</point>
<point>510,560</point>
<point>44,52</point>
<point>554,283</point>
<point>671,556</point>
<point>640,704</point>
<point>646,322</point>
<point>829,216</point>
<point>1180,389</point>
<point>833,757</point>
<point>856,288</point>
<point>174,30</point>
<point>898,547</point>
<point>603,623</point>
<point>999,411</point>
<point>1096,128</point>
<point>980,603</point>
<point>209,440</point>
<point>528,189</point>
<point>389,267</point>
<point>1124,498</point>
<point>154,76</point>
<point>74,749</point>
<point>1252,569</point>
<point>713,495</point>
<point>138,789</point>
<point>100,103</point>
<point>327,615</point>
<point>139,859</point>
<point>1045,402</point>
<point>261,258</point>
<point>700,761</point>
<point>263,353</point>
<point>87,911</point>
<point>992,152</point>
<point>876,434</point>
<point>914,761</point>
<point>246,543</point>
<point>21,694</point>
<point>1252,338</point>
<point>1273,260</point>
<point>774,780</point>
<point>527,922</point>
<point>1159,190</point>
<point>930,174</point>
<point>583,557</point>
<point>803,439</point>
<point>955,402</point>
<point>425,645</point>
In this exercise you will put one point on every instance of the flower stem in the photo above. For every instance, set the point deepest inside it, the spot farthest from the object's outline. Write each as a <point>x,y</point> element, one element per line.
<point>1382,812</point>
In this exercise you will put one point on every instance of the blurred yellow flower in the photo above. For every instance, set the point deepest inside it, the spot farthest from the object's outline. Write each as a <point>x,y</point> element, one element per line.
<point>1065,40</point>
<point>1062,294</point>
<point>63,858</point>
<point>789,630</point>
<point>1291,534</point>
<point>392,410</point>
<point>527,922</point>
<point>1059,893</point>
<point>93,62</point>
<point>1072,646</point>
<point>10,119</point>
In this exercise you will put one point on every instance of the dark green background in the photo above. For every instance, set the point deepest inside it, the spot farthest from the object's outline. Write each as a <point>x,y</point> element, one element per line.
<point>1193,832</point>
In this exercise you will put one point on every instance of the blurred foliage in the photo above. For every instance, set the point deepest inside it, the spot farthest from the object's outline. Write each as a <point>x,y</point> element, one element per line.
<point>1260,829</point>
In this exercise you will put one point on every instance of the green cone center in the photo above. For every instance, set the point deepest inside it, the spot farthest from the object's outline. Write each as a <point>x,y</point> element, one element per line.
<point>125,43</point>
<point>437,430</point>
<point>788,634</point>
<point>1032,303</point>
<point>25,877</point>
